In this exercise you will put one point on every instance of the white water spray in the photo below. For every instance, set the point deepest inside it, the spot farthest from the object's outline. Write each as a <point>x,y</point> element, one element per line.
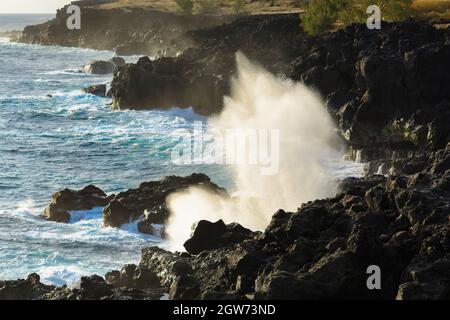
<point>307,142</point>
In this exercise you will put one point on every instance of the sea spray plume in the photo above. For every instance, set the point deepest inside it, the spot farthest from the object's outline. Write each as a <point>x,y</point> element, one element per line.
<point>307,141</point>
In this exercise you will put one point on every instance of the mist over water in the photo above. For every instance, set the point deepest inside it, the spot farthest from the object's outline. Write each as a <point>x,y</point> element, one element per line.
<point>308,146</point>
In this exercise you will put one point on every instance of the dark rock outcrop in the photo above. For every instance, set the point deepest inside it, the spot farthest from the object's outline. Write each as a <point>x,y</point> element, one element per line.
<point>149,201</point>
<point>29,289</point>
<point>67,200</point>
<point>323,250</point>
<point>129,31</point>
<point>90,288</point>
<point>133,277</point>
<point>100,67</point>
<point>398,92</point>
<point>387,89</point>
<point>104,66</point>
<point>169,87</point>
<point>398,222</point>
<point>200,77</point>
<point>97,90</point>
<point>208,236</point>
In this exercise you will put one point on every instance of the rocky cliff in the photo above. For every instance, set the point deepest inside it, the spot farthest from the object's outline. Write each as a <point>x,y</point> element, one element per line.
<point>399,223</point>
<point>387,89</point>
<point>128,31</point>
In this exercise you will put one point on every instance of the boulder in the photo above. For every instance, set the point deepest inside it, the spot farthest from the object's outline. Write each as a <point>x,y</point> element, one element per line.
<point>67,200</point>
<point>209,236</point>
<point>148,202</point>
<point>99,67</point>
<point>96,90</point>
<point>146,227</point>
<point>116,214</point>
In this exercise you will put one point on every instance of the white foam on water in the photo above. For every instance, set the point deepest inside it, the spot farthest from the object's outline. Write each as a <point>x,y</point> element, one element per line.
<point>84,237</point>
<point>25,210</point>
<point>71,72</point>
<point>61,275</point>
<point>77,216</point>
<point>131,227</point>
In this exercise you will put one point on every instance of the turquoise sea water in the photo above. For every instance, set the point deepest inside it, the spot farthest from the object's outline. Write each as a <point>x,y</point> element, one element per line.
<point>53,136</point>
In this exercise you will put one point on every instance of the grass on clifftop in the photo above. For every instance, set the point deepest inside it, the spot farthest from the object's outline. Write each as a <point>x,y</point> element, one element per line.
<point>325,15</point>
<point>320,15</point>
<point>433,8</point>
<point>424,8</point>
<point>218,6</point>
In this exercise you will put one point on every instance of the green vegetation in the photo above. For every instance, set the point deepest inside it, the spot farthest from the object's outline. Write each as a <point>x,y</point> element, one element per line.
<point>211,6</point>
<point>391,10</point>
<point>432,9</point>
<point>185,7</point>
<point>323,15</point>
<point>320,16</point>
<point>238,6</point>
<point>207,6</point>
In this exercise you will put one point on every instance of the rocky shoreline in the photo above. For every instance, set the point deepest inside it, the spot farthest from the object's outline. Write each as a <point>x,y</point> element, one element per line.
<point>399,222</point>
<point>145,204</point>
<point>388,92</point>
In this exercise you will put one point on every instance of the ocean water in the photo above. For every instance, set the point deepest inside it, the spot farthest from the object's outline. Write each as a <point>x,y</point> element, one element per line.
<point>9,22</point>
<point>53,136</point>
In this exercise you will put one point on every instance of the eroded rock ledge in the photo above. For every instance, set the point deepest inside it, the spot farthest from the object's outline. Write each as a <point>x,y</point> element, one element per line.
<point>200,77</point>
<point>128,31</point>
<point>399,222</point>
<point>387,89</point>
<point>147,203</point>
